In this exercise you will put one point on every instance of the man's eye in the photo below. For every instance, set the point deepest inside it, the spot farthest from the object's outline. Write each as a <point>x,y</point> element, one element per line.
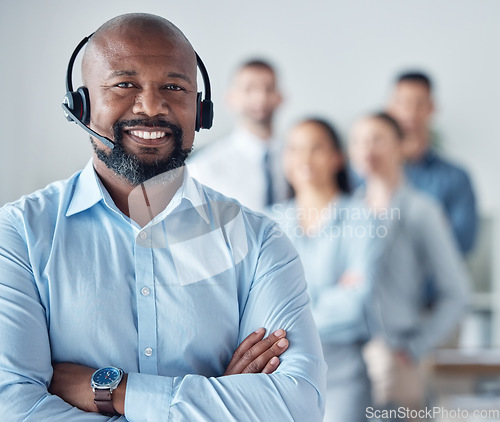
<point>124,85</point>
<point>174,88</point>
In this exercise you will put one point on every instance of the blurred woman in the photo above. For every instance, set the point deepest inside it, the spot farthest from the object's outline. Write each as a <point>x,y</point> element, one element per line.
<point>418,243</point>
<point>332,241</point>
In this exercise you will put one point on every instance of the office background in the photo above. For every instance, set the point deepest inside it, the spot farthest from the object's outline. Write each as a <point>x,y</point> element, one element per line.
<point>335,58</point>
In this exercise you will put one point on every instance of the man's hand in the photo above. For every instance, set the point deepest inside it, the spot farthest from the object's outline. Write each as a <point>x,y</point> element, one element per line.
<point>257,354</point>
<point>71,382</point>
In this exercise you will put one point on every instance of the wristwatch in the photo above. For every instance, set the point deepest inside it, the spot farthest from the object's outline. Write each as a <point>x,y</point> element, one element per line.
<point>103,382</point>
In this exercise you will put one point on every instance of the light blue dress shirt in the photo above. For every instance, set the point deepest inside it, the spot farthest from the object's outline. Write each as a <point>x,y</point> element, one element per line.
<point>169,303</point>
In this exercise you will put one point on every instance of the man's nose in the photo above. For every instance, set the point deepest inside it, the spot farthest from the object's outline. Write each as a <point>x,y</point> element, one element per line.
<point>150,102</point>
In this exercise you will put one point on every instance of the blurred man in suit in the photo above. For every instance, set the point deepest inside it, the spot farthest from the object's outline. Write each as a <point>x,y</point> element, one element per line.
<point>246,164</point>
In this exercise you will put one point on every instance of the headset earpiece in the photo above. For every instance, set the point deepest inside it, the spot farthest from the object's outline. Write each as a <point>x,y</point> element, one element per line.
<point>204,113</point>
<point>198,112</point>
<point>204,107</point>
<point>72,101</point>
<point>79,104</point>
<point>85,104</point>
<point>207,114</point>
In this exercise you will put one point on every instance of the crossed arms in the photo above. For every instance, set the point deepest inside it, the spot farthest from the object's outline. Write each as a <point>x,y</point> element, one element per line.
<point>277,299</point>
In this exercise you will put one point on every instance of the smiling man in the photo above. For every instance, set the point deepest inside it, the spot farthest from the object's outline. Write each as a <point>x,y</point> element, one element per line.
<point>130,290</point>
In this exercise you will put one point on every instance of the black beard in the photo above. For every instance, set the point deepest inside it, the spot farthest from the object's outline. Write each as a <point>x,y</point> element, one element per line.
<point>132,168</point>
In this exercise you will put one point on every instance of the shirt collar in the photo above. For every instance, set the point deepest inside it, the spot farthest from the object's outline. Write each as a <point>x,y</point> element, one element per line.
<point>427,158</point>
<point>89,191</point>
<point>190,191</point>
<point>250,143</point>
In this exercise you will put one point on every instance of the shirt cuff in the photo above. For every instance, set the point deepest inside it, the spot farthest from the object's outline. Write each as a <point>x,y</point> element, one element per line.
<point>148,397</point>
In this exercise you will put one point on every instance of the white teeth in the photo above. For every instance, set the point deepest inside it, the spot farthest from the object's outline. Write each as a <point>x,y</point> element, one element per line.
<point>147,135</point>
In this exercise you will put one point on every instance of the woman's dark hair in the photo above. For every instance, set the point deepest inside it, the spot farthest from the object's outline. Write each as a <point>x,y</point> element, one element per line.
<point>389,120</point>
<point>342,176</point>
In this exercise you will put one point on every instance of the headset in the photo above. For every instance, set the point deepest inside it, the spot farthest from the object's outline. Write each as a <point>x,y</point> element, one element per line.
<point>76,104</point>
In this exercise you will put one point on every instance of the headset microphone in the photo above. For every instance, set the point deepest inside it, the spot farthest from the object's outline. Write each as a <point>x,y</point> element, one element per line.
<point>71,117</point>
<point>76,104</point>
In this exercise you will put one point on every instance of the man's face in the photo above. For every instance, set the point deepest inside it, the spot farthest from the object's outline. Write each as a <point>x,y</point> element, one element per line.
<point>254,94</point>
<point>411,105</point>
<point>142,89</point>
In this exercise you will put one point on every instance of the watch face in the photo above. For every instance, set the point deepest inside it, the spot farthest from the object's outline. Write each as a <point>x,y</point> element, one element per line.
<point>105,377</point>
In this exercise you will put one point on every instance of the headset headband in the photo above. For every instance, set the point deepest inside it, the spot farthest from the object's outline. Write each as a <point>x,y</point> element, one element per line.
<point>69,72</point>
<point>76,105</point>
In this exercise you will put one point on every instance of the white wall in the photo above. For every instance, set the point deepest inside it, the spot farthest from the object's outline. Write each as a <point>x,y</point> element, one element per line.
<point>336,58</point>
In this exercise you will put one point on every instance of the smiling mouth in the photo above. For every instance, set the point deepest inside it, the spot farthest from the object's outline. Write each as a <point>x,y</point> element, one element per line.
<point>142,134</point>
<point>152,138</point>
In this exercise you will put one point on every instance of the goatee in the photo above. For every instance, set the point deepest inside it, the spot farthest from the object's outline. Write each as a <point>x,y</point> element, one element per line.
<point>132,168</point>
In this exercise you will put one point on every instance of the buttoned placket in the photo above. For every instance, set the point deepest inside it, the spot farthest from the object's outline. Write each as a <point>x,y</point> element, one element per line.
<point>146,303</point>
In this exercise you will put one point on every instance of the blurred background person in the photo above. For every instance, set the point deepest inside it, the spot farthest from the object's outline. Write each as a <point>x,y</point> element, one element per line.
<point>418,242</point>
<point>334,246</point>
<point>412,105</point>
<point>246,164</point>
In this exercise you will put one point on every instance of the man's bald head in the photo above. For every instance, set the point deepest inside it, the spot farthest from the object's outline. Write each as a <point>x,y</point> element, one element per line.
<point>135,28</point>
<point>140,72</point>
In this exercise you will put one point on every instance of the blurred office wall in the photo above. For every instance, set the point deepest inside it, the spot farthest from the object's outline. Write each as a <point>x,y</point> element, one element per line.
<point>336,58</point>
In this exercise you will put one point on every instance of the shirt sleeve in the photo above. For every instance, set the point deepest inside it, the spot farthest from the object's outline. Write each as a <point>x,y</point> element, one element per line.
<point>295,392</point>
<point>462,212</point>
<point>25,358</point>
<point>443,260</point>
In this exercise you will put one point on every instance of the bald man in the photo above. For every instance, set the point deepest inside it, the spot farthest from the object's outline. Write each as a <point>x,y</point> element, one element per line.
<point>130,290</point>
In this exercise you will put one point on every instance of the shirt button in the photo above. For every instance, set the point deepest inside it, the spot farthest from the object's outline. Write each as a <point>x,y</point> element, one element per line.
<point>145,291</point>
<point>148,351</point>
<point>143,235</point>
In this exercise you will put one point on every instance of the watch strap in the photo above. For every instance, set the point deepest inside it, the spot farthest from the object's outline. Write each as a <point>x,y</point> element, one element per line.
<point>104,401</point>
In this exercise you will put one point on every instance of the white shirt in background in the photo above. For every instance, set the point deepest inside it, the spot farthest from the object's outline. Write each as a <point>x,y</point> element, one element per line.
<point>234,166</point>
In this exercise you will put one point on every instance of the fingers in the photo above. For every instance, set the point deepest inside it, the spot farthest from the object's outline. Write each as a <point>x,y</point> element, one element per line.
<point>267,360</point>
<point>255,355</point>
<point>272,365</point>
<point>245,345</point>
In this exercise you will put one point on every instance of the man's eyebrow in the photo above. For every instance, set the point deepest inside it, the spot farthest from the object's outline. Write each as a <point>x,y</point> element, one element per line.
<point>180,76</point>
<point>117,73</point>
